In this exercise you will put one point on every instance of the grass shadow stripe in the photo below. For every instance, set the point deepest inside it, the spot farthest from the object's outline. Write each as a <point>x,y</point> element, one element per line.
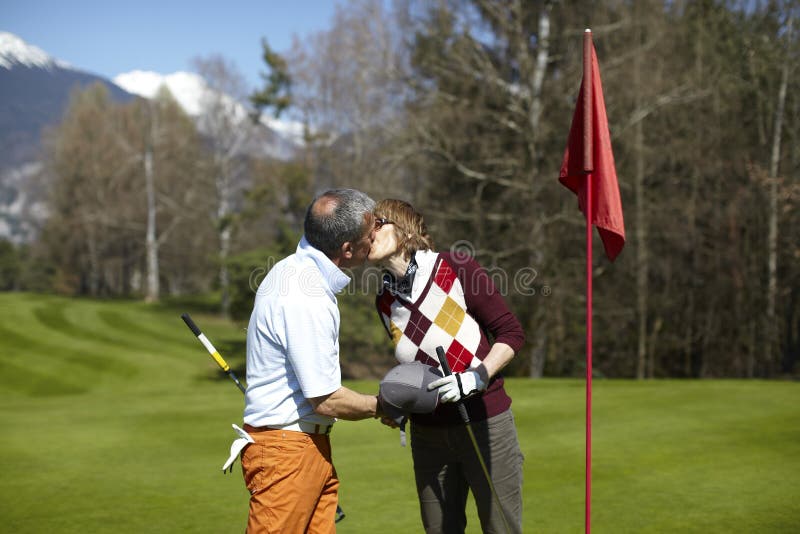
<point>23,379</point>
<point>48,354</point>
<point>146,337</point>
<point>55,319</point>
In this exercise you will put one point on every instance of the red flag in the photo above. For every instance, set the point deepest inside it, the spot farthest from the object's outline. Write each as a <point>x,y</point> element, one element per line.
<point>606,204</point>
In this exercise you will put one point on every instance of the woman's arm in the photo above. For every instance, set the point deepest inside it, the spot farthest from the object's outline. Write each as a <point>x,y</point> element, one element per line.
<point>499,356</point>
<point>488,307</point>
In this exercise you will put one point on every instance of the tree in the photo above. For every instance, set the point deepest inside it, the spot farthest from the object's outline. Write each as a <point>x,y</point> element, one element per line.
<point>89,198</point>
<point>164,142</point>
<point>347,90</point>
<point>775,157</point>
<point>116,170</point>
<point>9,266</point>
<point>228,131</point>
<point>469,122</point>
<point>277,90</point>
<point>479,127</point>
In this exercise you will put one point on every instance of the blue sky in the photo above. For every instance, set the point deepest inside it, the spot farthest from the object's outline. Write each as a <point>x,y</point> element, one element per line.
<point>109,37</point>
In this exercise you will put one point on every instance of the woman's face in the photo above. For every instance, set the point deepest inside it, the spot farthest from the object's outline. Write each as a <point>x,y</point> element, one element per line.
<point>385,243</point>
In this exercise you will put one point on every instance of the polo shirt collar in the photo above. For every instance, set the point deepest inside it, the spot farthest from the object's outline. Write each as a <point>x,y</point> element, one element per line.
<point>331,274</point>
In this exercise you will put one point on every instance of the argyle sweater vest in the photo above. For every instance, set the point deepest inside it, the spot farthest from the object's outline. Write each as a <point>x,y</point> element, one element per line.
<point>438,316</point>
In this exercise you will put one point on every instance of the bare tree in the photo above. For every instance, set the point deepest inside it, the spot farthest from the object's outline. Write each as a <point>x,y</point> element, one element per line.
<point>346,87</point>
<point>157,140</point>
<point>121,176</point>
<point>772,239</point>
<point>226,124</point>
<point>86,195</point>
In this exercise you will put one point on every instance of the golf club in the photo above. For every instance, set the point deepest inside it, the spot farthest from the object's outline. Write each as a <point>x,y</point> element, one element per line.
<point>465,417</point>
<point>227,368</point>
<point>211,350</point>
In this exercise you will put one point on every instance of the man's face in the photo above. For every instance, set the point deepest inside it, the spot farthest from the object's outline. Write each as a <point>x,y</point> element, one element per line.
<point>362,246</point>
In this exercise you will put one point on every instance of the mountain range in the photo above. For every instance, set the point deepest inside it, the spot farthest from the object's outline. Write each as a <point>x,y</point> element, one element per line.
<point>34,93</point>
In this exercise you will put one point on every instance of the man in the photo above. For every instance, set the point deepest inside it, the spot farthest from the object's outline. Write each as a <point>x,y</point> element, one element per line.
<point>294,393</point>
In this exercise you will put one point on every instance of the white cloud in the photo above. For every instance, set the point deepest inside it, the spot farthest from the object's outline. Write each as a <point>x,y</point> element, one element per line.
<point>190,90</point>
<point>187,88</point>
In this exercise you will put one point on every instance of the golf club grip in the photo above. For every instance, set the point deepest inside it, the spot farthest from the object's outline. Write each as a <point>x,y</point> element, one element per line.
<point>463,411</point>
<point>443,361</point>
<point>447,372</point>
<point>190,323</point>
<point>206,343</point>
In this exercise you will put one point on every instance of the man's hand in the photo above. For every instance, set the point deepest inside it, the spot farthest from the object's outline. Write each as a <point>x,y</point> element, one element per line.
<point>388,414</point>
<point>457,386</point>
<point>388,421</point>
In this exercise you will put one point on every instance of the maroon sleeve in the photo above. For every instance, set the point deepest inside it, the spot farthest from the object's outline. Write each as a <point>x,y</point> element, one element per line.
<point>484,301</point>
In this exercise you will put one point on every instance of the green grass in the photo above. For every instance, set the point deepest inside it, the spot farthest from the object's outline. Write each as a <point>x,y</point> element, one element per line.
<point>114,419</point>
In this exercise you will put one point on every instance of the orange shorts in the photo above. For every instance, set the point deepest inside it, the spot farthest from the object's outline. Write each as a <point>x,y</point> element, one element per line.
<point>292,482</point>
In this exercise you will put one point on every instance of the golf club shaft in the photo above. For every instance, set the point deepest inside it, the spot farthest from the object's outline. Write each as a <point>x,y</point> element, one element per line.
<point>211,350</point>
<point>465,417</point>
<point>227,368</point>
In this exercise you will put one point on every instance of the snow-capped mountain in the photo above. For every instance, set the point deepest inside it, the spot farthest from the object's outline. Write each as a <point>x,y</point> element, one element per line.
<point>34,92</point>
<point>16,52</point>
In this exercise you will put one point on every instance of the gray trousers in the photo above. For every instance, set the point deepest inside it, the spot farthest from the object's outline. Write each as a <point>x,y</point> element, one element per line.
<point>446,468</point>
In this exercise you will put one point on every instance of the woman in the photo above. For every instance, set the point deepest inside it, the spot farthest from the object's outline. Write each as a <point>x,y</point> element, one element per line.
<point>446,299</point>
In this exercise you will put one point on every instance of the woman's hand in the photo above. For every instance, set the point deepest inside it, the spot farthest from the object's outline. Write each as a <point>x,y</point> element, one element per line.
<point>453,388</point>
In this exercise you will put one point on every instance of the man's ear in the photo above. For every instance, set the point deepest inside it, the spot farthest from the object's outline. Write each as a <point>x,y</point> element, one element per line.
<point>346,250</point>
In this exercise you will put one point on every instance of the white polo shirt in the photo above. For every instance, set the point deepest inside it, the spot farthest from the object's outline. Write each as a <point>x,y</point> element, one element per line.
<point>293,340</point>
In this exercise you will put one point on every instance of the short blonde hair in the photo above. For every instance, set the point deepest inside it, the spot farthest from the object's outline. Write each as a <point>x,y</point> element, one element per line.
<point>409,225</point>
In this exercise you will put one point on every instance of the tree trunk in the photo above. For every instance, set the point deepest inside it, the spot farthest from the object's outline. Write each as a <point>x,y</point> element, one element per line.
<point>538,352</point>
<point>542,57</point>
<point>640,216</point>
<point>770,329</point>
<point>223,215</point>
<point>151,242</point>
<point>641,256</point>
<point>652,347</point>
<point>689,335</point>
<point>94,260</point>
<point>688,338</point>
<point>224,275</point>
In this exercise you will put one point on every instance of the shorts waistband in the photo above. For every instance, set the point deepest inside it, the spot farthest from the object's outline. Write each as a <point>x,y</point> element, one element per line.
<point>297,426</point>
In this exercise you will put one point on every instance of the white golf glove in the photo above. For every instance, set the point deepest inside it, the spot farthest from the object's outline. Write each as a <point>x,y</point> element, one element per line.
<point>238,444</point>
<point>458,386</point>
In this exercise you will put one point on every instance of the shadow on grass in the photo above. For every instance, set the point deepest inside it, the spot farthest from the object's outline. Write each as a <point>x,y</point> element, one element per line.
<point>206,303</point>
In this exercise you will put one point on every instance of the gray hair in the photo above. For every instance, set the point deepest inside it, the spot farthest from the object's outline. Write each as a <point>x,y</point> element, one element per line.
<point>329,230</point>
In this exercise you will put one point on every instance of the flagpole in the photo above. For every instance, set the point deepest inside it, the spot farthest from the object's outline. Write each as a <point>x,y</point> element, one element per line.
<point>588,167</point>
<point>591,175</point>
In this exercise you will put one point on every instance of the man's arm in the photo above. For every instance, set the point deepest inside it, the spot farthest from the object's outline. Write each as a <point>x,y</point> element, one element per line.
<point>346,404</point>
